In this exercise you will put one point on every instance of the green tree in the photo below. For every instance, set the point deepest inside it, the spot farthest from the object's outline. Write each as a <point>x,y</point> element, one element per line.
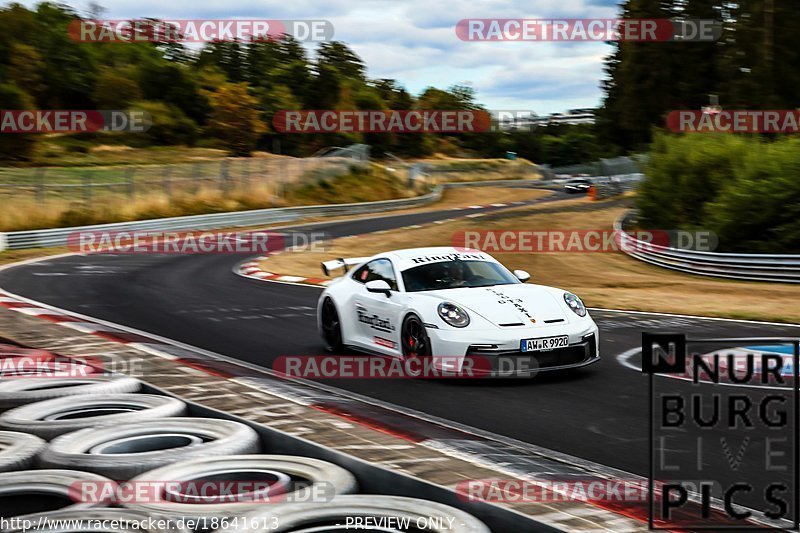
<point>16,146</point>
<point>640,84</point>
<point>338,55</point>
<point>70,67</point>
<point>228,56</point>
<point>26,68</point>
<point>235,118</point>
<point>744,214</point>
<point>324,89</point>
<point>170,126</point>
<point>115,91</point>
<point>174,85</point>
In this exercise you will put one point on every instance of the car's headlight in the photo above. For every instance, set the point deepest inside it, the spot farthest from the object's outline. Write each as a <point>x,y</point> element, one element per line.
<point>453,315</point>
<point>575,304</point>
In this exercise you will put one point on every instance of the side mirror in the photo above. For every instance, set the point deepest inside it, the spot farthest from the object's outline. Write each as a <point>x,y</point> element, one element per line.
<point>378,286</point>
<point>522,275</point>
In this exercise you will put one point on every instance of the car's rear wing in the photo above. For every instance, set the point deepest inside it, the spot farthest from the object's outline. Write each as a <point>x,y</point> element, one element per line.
<point>342,262</point>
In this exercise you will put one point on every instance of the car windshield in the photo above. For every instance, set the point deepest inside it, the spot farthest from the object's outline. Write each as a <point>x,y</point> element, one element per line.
<point>456,274</point>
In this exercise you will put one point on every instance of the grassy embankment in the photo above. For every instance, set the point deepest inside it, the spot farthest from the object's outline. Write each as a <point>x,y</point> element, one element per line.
<point>192,185</point>
<point>610,280</point>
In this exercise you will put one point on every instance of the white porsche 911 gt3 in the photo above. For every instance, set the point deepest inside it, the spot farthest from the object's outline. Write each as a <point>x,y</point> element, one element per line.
<point>454,304</point>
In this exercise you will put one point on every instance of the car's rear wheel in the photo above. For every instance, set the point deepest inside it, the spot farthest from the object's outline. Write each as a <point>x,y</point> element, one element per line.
<point>414,340</point>
<point>331,326</point>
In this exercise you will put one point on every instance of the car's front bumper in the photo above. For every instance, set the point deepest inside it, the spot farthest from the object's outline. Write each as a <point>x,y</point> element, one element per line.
<point>497,354</point>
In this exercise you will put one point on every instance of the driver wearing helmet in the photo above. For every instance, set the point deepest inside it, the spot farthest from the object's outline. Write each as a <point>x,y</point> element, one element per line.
<point>456,273</point>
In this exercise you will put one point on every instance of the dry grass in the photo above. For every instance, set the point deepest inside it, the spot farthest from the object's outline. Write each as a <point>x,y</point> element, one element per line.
<point>610,280</point>
<point>13,256</point>
<point>451,198</point>
<point>155,198</point>
<point>28,214</point>
<point>454,169</point>
<point>65,150</point>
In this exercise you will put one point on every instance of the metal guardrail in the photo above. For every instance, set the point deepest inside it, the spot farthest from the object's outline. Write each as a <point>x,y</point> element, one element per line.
<point>784,268</point>
<point>58,237</point>
<point>96,183</point>
<point>605,167</point>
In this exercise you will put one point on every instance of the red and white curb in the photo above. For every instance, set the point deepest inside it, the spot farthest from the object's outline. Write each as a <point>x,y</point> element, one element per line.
<point>86,325</point>
<point>485,206</point>
<point>463,443</point>
<point>252,269</point>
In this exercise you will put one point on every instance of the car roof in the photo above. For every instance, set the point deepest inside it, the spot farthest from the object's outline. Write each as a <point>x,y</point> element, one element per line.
<point>411,257</point>
<point>409,253</point>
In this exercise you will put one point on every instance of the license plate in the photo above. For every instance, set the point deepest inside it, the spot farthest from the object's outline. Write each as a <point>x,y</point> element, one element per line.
<point>546,343</point>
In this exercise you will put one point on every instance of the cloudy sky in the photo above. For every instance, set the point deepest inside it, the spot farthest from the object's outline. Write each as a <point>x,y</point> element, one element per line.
<point>414,41</point>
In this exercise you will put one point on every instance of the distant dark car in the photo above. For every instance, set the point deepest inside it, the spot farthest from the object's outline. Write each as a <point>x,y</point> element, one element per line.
<point>577,185</point>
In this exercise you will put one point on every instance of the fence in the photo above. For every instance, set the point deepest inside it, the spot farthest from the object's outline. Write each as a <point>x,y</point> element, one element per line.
<point>58,236</point>
<point>752,267</point>
<point>617,166</point>
<point>87,184</point>
<point>471,171</point>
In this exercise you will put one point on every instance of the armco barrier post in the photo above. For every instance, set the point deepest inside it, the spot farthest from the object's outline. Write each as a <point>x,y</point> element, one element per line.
<point>40,185</point>
<point>224,177</point>
<point>3,242</point>
<point>87,187</point>
<point>129,172</point>
<point>167,182</point>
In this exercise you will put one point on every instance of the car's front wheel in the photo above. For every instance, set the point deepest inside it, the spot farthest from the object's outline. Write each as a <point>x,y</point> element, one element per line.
<point>414,339</point>
<point>331,326</point>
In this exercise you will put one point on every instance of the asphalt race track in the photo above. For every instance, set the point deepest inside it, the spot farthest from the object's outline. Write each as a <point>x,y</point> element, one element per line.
<point>599,413</point>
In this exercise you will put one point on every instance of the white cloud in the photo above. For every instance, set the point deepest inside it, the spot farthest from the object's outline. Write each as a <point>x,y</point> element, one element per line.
<point>414,41</point>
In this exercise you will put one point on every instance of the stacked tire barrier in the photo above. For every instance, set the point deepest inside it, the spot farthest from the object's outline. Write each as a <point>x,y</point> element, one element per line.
<point>98,450</point>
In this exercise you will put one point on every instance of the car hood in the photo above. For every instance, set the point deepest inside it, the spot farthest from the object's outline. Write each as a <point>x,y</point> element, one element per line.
<point>506,305</point>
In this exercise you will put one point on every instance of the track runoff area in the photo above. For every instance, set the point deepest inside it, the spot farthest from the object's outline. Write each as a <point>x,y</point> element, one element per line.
<point>707,430</point>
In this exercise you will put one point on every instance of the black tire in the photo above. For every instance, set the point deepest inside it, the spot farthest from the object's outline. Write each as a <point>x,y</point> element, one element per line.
<point>331,327</point>
<point>303,516</point>
<point>53,490</point>
<point>51,418</point>
<point>125,451</point>
<point>328,477</point>
<point>414,339</point>
<point>21,391</point>
<point>86,521</point>
<point>18,450</point>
